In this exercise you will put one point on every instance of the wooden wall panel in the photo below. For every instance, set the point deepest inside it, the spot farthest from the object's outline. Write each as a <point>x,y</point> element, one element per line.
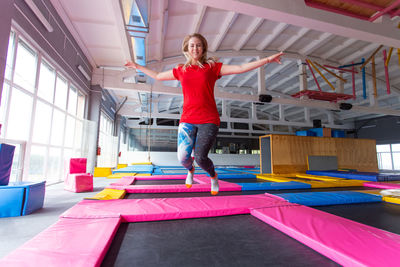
<point>289,152</point>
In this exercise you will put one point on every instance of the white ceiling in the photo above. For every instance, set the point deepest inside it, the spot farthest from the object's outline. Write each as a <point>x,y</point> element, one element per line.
<point>240,31</point>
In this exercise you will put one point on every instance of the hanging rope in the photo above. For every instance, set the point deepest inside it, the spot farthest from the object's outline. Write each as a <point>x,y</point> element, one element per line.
<point>149,124</point>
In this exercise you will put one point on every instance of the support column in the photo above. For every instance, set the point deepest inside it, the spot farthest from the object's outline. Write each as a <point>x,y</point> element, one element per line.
<point>307,115</point>
<point>224,115</point>
<point>6,14</point>
<point>339,84</point>
<point>95,99</point>
<point>281,112</point>
<point>331,120</point>
<point>302,75</point>
<point>370,89</point>
<point>261,81</point>
<point>253,111</point>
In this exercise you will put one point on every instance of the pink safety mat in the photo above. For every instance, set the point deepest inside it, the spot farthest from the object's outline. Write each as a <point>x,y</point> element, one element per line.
<point>166,177</point>
<point>138,210</point>
<point>204,185</point>
<point>68,242</point>
<point>382,185</point>
<point>126,180</point>
<point>347,242</point>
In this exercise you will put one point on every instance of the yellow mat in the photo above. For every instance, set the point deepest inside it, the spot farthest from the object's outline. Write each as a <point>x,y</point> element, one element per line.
<point>120,175</point>
<point>142,163</point>
<point>326,184</point>
<point>108,193</point>
<point>273,178</point>
<point>392,199</point>
<point>314,181</point>
<point>102,172</point>
<point>316,177</point>
<point>120,166</point>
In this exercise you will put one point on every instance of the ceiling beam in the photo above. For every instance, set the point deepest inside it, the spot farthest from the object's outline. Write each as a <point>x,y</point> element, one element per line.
<point>249,33</point>
<point>298,14</point>
<point>198,18</point>
<point>229,19</point>
<point>111,79</point>
<point>278,29</point>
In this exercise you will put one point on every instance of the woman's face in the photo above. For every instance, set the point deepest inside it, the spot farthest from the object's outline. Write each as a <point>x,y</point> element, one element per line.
<point>195,48</point>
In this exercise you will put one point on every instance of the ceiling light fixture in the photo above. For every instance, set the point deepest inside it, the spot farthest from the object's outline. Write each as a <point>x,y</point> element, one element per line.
<point>39,15</point>
<point>83,71</point>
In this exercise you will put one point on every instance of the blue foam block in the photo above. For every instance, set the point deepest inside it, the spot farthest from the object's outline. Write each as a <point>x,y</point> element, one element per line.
<point>136,168</point>
<point>367,176</point>
<point>11,201</point>
<point>318,131</point>
<point>273,186</point>
<point>6,159</point>
<point>33,195</point>
<point>338,133</point>
<point>236,176</point>
<point>329,198</point>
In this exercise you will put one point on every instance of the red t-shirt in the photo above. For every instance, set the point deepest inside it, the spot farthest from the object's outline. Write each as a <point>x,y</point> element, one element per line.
<point>199,105</point>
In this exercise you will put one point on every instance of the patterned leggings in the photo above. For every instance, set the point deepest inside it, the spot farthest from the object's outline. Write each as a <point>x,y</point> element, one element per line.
<point>199,137</point>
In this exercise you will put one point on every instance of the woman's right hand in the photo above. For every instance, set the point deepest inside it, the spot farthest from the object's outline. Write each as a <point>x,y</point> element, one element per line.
<point>132,65</point>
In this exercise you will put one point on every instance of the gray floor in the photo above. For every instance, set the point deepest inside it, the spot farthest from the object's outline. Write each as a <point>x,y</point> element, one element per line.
<point>15,231</point>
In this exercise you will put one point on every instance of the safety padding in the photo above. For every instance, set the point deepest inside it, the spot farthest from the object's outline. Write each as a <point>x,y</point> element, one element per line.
<point>79,182</point>
<point>142,163</point>
<point>317,177</point>
<point>329,198</point>
<point>334,183</point>
<point>108,194</point>
<point>11,201</point>
<point>68,242</point>
<point>77,165</point>
<point>382,185</point>
<point>347,242</point>
<point>273,186</point>
<point>120,166</point>
<point>120,175</point>
<point>102,172</point>
<point>367,176</point>
<point>392,199</point>
<point>21,198</point>
<point>158,209</point>
<point>236,176</point>
<point>6,159</point>
<point>135,168</point>
<point>273,178</point>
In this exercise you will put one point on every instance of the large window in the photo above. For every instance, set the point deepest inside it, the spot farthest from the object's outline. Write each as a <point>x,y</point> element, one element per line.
<point>388,156</point>
<point>107,142</point>
<point>43,108</point>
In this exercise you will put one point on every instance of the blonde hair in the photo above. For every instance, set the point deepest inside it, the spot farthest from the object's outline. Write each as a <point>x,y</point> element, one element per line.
<point>203,59</point>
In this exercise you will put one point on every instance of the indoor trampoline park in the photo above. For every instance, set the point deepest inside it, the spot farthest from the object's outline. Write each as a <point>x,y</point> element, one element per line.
<point>199,133</point>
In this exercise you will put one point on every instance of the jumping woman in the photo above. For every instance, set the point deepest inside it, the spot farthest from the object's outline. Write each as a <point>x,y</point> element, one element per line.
<point>199,121</point>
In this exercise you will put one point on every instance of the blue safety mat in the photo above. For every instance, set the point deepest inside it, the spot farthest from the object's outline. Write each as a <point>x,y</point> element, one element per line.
<point>329,198</point>
<point>368,176</point>
<point>236,175</point>
<point>273,186</point>
<point>6,159</point>
<point>136,168</point>
<point>21,198</point>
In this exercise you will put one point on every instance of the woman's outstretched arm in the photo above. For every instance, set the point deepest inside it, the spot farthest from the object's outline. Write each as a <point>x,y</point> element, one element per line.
<point>161,76</point>
<point>236,69</point>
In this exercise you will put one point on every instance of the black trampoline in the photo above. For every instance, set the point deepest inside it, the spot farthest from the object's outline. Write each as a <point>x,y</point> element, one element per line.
<point>240,240</point>
<point>230,240</point>
<point>382,215</point>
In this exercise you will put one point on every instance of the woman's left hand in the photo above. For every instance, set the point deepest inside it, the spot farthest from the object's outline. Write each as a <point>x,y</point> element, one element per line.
<point>276,58</point>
